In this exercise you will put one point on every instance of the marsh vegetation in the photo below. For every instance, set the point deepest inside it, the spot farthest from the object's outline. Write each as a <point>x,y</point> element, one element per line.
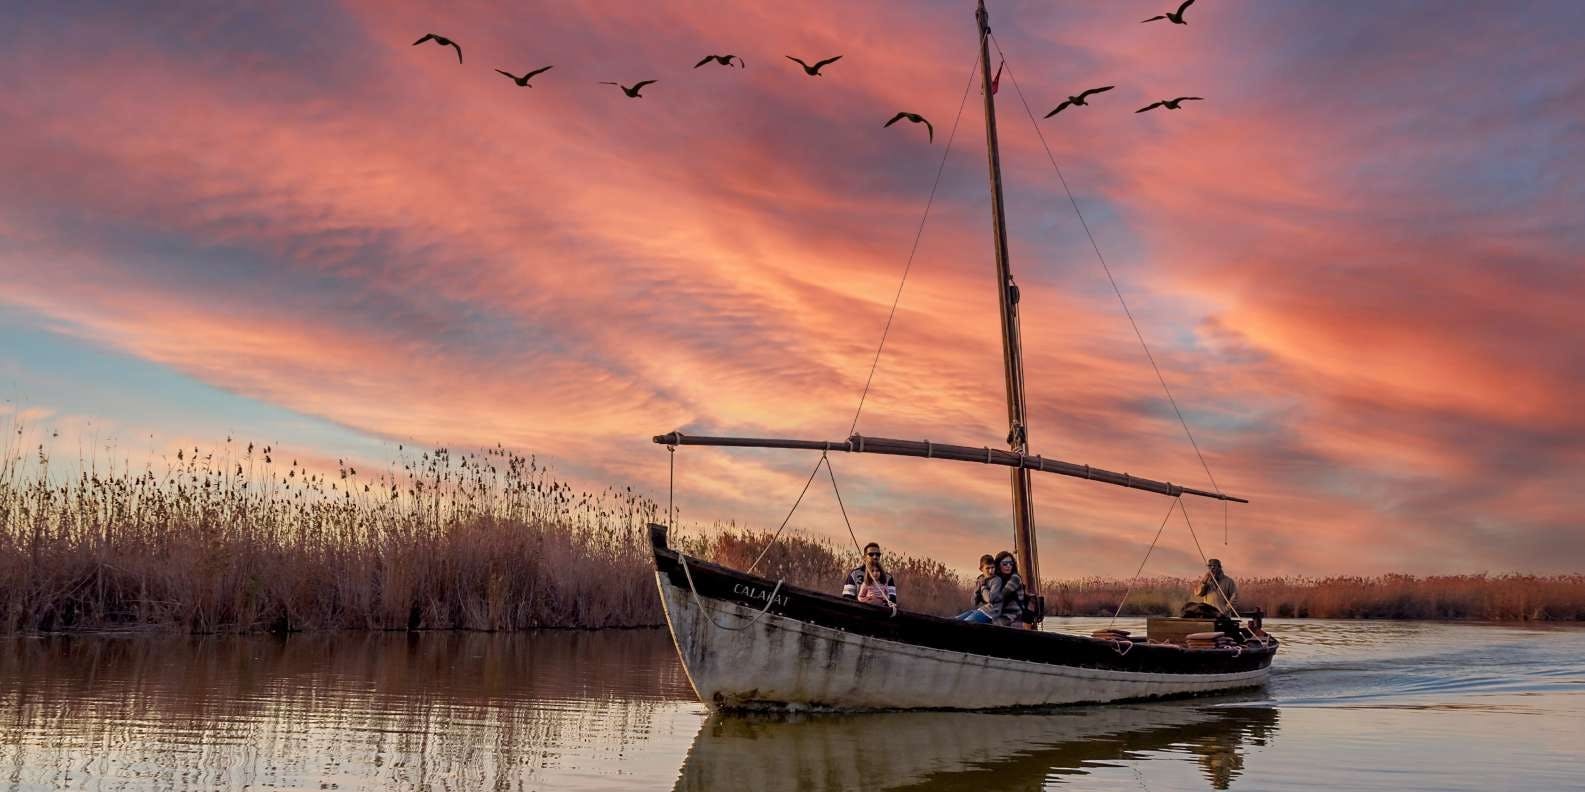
<point>244,539</point>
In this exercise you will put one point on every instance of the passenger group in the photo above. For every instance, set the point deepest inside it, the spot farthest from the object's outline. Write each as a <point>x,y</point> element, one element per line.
<point>999,594</point>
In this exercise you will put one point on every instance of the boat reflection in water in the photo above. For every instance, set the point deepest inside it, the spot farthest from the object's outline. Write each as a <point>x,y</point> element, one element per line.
<point>965,750</point>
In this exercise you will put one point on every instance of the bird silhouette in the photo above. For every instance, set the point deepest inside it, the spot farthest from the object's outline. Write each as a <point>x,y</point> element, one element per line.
<point>1078,101</point>
<point>1174,18</point>
<point>814,71</point>
<point>724,60</point>
<point>522,82</point>
<point>442,41</point>
<point>1170,104</point>
<point>917,119</point>
<point>632,93</point>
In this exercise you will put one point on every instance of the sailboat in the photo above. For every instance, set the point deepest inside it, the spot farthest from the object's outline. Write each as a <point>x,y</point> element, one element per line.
<point>747,642</point>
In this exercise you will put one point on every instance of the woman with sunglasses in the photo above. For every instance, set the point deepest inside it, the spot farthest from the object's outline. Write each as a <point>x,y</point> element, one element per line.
<point>1003,594</point>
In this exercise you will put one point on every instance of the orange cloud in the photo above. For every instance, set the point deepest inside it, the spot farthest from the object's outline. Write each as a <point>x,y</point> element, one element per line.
<point>1364,326</point>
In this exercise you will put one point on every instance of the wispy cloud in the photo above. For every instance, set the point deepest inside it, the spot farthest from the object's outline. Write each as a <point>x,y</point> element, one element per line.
<point>1356,260</point>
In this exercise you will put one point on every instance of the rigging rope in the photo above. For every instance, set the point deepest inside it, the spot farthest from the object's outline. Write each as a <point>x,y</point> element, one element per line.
<point>801,493</point>
<point>1203,557</point>
<point>886,330</point>
<point>1142,562</point>
<point>915,249</point>
<point>854,536</point>
<point>1107,268</point>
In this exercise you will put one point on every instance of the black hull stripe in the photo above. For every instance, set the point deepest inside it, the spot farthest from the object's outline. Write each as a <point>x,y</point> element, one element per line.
<point>713,582</point>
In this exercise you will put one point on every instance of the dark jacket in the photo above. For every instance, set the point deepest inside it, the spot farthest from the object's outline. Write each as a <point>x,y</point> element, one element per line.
<point>1003,598</point>
<point>979,592</point>
<point>850,584</point>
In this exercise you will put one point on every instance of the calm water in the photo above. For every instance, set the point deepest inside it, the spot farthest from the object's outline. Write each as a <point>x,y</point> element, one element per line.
<point>1352,705</point>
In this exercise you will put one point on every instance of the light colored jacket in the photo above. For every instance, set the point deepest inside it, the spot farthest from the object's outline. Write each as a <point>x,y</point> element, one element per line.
<point>1209,594</point>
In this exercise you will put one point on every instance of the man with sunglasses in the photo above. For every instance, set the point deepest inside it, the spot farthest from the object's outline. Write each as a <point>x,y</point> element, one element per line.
<point>874,575</point>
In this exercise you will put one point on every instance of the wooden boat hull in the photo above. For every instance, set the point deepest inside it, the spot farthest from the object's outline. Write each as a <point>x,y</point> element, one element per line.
<point>818,651</point>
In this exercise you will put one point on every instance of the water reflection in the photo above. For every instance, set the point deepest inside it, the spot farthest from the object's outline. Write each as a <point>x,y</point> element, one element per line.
<point>1429,706</point>
<point>968,751</point>
<point>359,710</point>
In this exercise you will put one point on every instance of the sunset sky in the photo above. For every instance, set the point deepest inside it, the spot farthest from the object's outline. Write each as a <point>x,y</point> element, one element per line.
<point>1358,262</point>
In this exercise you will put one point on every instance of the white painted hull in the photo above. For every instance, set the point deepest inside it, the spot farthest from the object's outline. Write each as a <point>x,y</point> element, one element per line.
<point>782,662</point>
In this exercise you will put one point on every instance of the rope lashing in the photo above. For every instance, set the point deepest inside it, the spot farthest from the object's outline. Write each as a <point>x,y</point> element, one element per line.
<point>683,559</point>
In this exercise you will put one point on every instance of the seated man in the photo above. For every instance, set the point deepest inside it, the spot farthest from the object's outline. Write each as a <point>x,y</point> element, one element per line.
<point>1215,596</point>
<point>872,572</point>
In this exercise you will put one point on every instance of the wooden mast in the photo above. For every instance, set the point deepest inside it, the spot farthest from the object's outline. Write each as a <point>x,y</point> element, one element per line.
<point>1012,353</point>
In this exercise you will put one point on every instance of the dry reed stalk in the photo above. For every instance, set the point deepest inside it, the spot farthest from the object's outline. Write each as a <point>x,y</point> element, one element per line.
<point>245,539</point>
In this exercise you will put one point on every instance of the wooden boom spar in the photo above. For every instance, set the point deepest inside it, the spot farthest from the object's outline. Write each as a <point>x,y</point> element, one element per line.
<point>929,450</point>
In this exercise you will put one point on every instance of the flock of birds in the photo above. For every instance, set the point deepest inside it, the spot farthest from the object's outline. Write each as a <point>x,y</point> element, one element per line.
<point>813,70</point>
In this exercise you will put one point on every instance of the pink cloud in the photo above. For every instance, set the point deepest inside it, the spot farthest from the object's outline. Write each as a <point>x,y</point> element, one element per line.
<point>420,250</point>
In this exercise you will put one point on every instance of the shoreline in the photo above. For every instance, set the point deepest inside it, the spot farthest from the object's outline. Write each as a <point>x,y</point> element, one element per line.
<point>170,631</point>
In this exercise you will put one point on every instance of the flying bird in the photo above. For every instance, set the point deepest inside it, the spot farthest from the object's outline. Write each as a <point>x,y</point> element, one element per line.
<point>632,93</point>
<point>1078,101</point>
<point>1170,104</point>
<point>1174,18</point>
<point>522,82</point>
<point>442,41</point>
<point>917,119</point>
<point>814,71</point>
<point>724,60</point>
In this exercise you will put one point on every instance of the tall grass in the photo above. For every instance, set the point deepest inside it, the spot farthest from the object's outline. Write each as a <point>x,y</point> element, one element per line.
<point>1485,597</point>
<point>245,539</point>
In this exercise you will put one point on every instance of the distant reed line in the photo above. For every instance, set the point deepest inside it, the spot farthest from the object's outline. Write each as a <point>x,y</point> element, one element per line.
<point>244,539</point>
<point>1478,597</point>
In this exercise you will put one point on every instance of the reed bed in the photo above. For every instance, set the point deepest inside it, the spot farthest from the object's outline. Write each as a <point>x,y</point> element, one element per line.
<point>1509,597</point>
<point>245,539</point>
